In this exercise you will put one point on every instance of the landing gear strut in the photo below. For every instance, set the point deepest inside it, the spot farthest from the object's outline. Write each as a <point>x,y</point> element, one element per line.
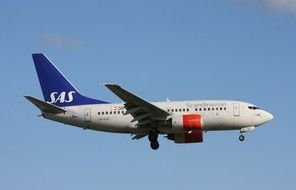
<point>153,140</point>
<point>241,138</point>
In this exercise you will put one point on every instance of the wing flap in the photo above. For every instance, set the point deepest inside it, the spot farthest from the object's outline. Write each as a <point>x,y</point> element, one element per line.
<point>133,110</point>
<point>141,117</point>
<point>144,122</point>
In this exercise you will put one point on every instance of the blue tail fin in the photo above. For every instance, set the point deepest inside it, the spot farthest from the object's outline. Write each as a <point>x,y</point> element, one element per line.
<point>55,87</point>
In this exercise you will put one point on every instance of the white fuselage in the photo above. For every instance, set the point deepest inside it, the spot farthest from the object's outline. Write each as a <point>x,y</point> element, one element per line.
<point>180,121</point>
<point>216,115</point>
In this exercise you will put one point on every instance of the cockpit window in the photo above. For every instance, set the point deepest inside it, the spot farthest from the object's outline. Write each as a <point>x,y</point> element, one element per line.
<point>253,108</point>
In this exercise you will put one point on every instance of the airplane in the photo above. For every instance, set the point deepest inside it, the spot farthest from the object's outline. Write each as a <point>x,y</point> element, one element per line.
<point>179,121</point>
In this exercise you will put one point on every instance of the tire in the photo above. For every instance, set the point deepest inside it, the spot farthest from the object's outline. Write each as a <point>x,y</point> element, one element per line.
<point>154,145</point>
<point>241,138</point>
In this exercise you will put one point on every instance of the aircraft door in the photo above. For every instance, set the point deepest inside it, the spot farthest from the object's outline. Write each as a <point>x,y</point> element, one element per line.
<point>236,110</point>
<point>87,115</point>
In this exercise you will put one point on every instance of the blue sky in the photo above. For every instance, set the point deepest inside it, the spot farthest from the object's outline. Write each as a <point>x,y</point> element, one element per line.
<point>229,49</point>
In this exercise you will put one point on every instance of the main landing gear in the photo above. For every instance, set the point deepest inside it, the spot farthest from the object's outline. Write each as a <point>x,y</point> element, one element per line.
<point>153,140</point>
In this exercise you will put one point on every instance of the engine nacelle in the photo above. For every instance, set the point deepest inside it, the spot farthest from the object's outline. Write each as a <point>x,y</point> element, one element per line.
<point>190,122</point>
<point>188,128</point>
<point>193,137</point>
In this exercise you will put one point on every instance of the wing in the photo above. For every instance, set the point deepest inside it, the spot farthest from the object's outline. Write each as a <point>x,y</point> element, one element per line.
<point>142,111</point>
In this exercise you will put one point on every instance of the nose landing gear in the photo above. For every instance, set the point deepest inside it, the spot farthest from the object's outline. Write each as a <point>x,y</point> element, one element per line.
<point>241,137</point>
<point>244,130</point>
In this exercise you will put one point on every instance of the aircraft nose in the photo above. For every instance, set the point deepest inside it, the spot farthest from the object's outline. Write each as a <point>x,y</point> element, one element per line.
<point>268,116</point>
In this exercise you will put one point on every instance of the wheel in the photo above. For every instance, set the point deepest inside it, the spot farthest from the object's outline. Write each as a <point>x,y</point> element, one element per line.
<point>241,137</point>
<point>154,145</point>
<point>151,138</point>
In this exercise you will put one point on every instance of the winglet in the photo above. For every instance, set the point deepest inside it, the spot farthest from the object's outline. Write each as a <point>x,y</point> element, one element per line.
<point>45,107</point>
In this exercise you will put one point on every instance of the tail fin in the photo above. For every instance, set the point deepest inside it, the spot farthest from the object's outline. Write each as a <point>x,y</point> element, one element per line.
<point>55,87</point>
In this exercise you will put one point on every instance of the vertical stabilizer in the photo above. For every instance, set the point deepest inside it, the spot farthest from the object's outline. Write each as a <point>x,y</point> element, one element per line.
<point>55,87</point>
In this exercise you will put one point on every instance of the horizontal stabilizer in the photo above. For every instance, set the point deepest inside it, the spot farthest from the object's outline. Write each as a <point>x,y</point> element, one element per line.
<point>45,107</point>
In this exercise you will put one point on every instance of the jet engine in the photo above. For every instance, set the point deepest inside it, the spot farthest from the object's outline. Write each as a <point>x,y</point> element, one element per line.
<point>191,137</point>
<point>188,128</point>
